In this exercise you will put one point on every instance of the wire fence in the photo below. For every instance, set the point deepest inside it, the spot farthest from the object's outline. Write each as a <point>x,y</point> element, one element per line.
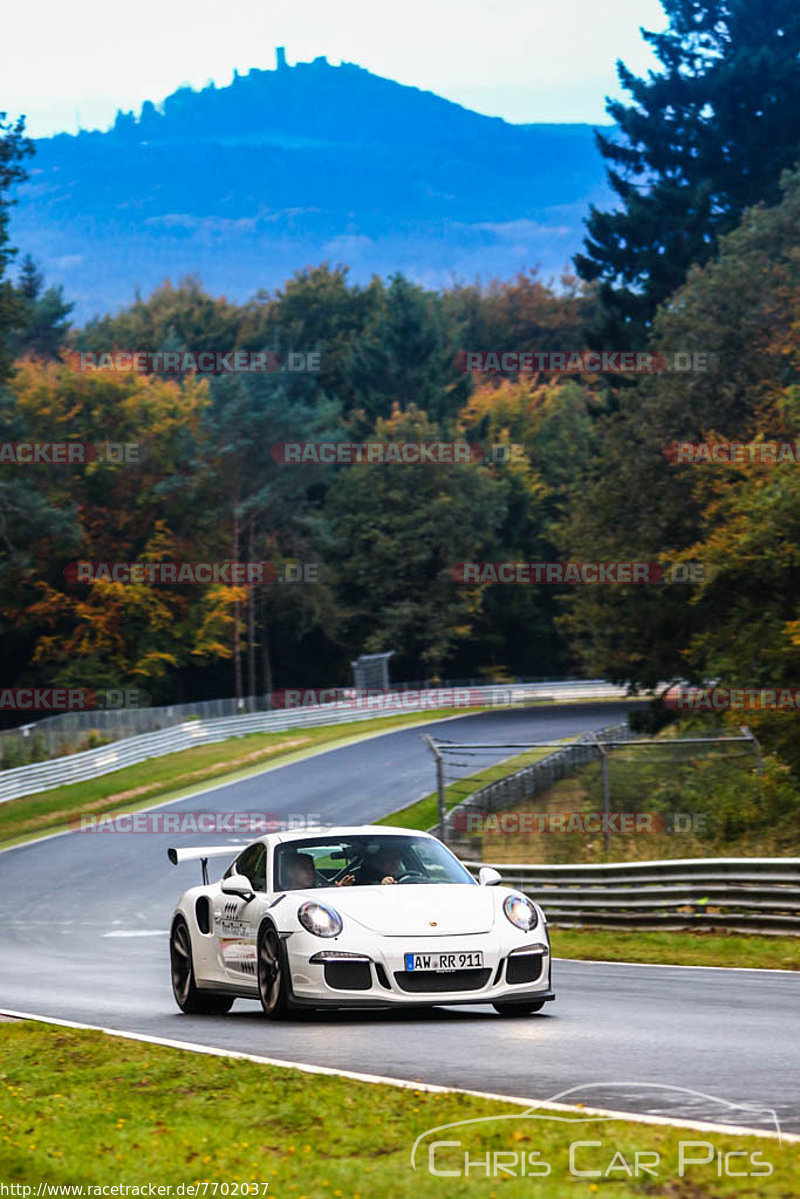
<point>71,732</point>
<point>566,803</point>
<point>498,790</point>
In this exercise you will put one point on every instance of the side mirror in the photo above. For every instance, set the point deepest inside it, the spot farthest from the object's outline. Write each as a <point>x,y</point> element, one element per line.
<point>489,877</point>
<point>237,884</point>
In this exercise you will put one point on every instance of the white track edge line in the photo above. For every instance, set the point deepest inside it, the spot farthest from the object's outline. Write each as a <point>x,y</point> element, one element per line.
<point>404,1084</point>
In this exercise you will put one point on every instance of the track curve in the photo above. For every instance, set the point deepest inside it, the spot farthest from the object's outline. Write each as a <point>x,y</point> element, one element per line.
<point>84,922</point>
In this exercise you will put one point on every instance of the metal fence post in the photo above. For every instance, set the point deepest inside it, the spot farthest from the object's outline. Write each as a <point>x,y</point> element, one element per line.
<point>748,732</point>
<point>606,791</point>
<point>606,800</point>
<point>440,794</point>
<point>439,784</point>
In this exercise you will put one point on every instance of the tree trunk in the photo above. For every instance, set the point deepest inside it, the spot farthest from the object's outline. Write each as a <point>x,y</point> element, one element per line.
<point>237,648</point>
<point>266,661</point>
<point>251,628</point>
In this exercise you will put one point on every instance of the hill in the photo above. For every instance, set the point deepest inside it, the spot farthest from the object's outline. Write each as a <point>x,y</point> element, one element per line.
<point>247,183</point>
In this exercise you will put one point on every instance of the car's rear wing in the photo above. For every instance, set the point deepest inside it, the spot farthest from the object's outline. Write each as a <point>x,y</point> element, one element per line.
<point>200,854</point>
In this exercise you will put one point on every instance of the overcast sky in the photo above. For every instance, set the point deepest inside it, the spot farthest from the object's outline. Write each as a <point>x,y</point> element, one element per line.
<point>540,60</point>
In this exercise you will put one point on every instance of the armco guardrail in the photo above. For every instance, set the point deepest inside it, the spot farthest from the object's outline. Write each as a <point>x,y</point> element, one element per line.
<point>523,784</point>
<point>751,895</point>
<point>51,736</point>
<point>78,768</point>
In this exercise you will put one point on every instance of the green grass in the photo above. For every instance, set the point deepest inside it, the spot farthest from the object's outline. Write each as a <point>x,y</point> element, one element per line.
<point>173,775</point>
<point>424,813</point>
<point>687,948</point>
<point>86,1108</point>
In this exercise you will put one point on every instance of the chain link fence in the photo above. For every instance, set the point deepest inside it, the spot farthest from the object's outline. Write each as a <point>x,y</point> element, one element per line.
<point>565,803</point>
<point>477,776</point>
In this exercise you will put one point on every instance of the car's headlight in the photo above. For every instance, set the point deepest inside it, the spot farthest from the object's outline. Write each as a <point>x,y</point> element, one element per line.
<point>320,920</point>
<point>521,912</point>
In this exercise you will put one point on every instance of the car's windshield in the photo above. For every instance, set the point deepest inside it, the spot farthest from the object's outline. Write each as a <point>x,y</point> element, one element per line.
<point>362,861</point>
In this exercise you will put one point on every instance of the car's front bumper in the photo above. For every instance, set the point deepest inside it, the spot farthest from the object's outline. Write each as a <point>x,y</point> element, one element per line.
<point>374,975</point>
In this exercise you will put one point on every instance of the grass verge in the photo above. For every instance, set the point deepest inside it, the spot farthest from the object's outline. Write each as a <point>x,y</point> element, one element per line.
<point>159,779</point>
<point>687,948</point>
<point>86,1108</point>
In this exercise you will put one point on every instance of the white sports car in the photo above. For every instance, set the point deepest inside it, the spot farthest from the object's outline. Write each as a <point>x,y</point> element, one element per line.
<point>355,917</point>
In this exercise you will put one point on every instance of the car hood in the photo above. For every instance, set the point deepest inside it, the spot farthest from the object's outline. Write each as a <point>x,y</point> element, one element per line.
<point>418,910</point>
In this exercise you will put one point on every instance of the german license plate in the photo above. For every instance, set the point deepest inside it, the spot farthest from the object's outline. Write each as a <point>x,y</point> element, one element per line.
<point>444,962</point>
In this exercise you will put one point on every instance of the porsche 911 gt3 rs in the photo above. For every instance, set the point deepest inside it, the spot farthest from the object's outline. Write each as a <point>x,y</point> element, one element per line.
<point>354,917</point>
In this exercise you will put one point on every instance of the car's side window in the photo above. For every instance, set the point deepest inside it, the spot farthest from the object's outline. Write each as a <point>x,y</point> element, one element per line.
<point>258,877</point>
<point>252,864</point>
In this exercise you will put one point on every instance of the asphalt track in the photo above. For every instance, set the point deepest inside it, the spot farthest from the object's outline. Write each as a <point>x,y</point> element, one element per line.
<point>83,936</point>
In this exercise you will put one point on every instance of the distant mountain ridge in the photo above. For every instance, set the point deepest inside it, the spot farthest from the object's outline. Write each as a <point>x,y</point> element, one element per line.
<point>284,168</point>
<point>315,101</point>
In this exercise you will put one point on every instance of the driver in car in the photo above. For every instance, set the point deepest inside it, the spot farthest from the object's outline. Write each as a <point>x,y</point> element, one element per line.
<point>298,872</point>
<point>385,867</point>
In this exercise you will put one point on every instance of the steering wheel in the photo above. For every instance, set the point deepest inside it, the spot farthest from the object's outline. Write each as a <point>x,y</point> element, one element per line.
<point>348,869</point>
<point>412,875</point>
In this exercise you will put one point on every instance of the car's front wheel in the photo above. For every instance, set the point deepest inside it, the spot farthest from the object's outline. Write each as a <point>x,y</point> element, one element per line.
<point>273,973</point>
<point>184,987</point>
<point>519,1009</point>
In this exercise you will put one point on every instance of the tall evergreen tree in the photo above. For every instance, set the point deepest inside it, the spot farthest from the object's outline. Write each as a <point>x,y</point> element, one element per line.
<point>43,323</point>
<point>406,357</point>
<point>706,136</point>
<point>31,280</point>
<point>638,505</point>
<point>396,530</point>
<point>14,147</point>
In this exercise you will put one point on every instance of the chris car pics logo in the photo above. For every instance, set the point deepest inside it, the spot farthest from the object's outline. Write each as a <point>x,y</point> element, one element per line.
<point>505,1146</point>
